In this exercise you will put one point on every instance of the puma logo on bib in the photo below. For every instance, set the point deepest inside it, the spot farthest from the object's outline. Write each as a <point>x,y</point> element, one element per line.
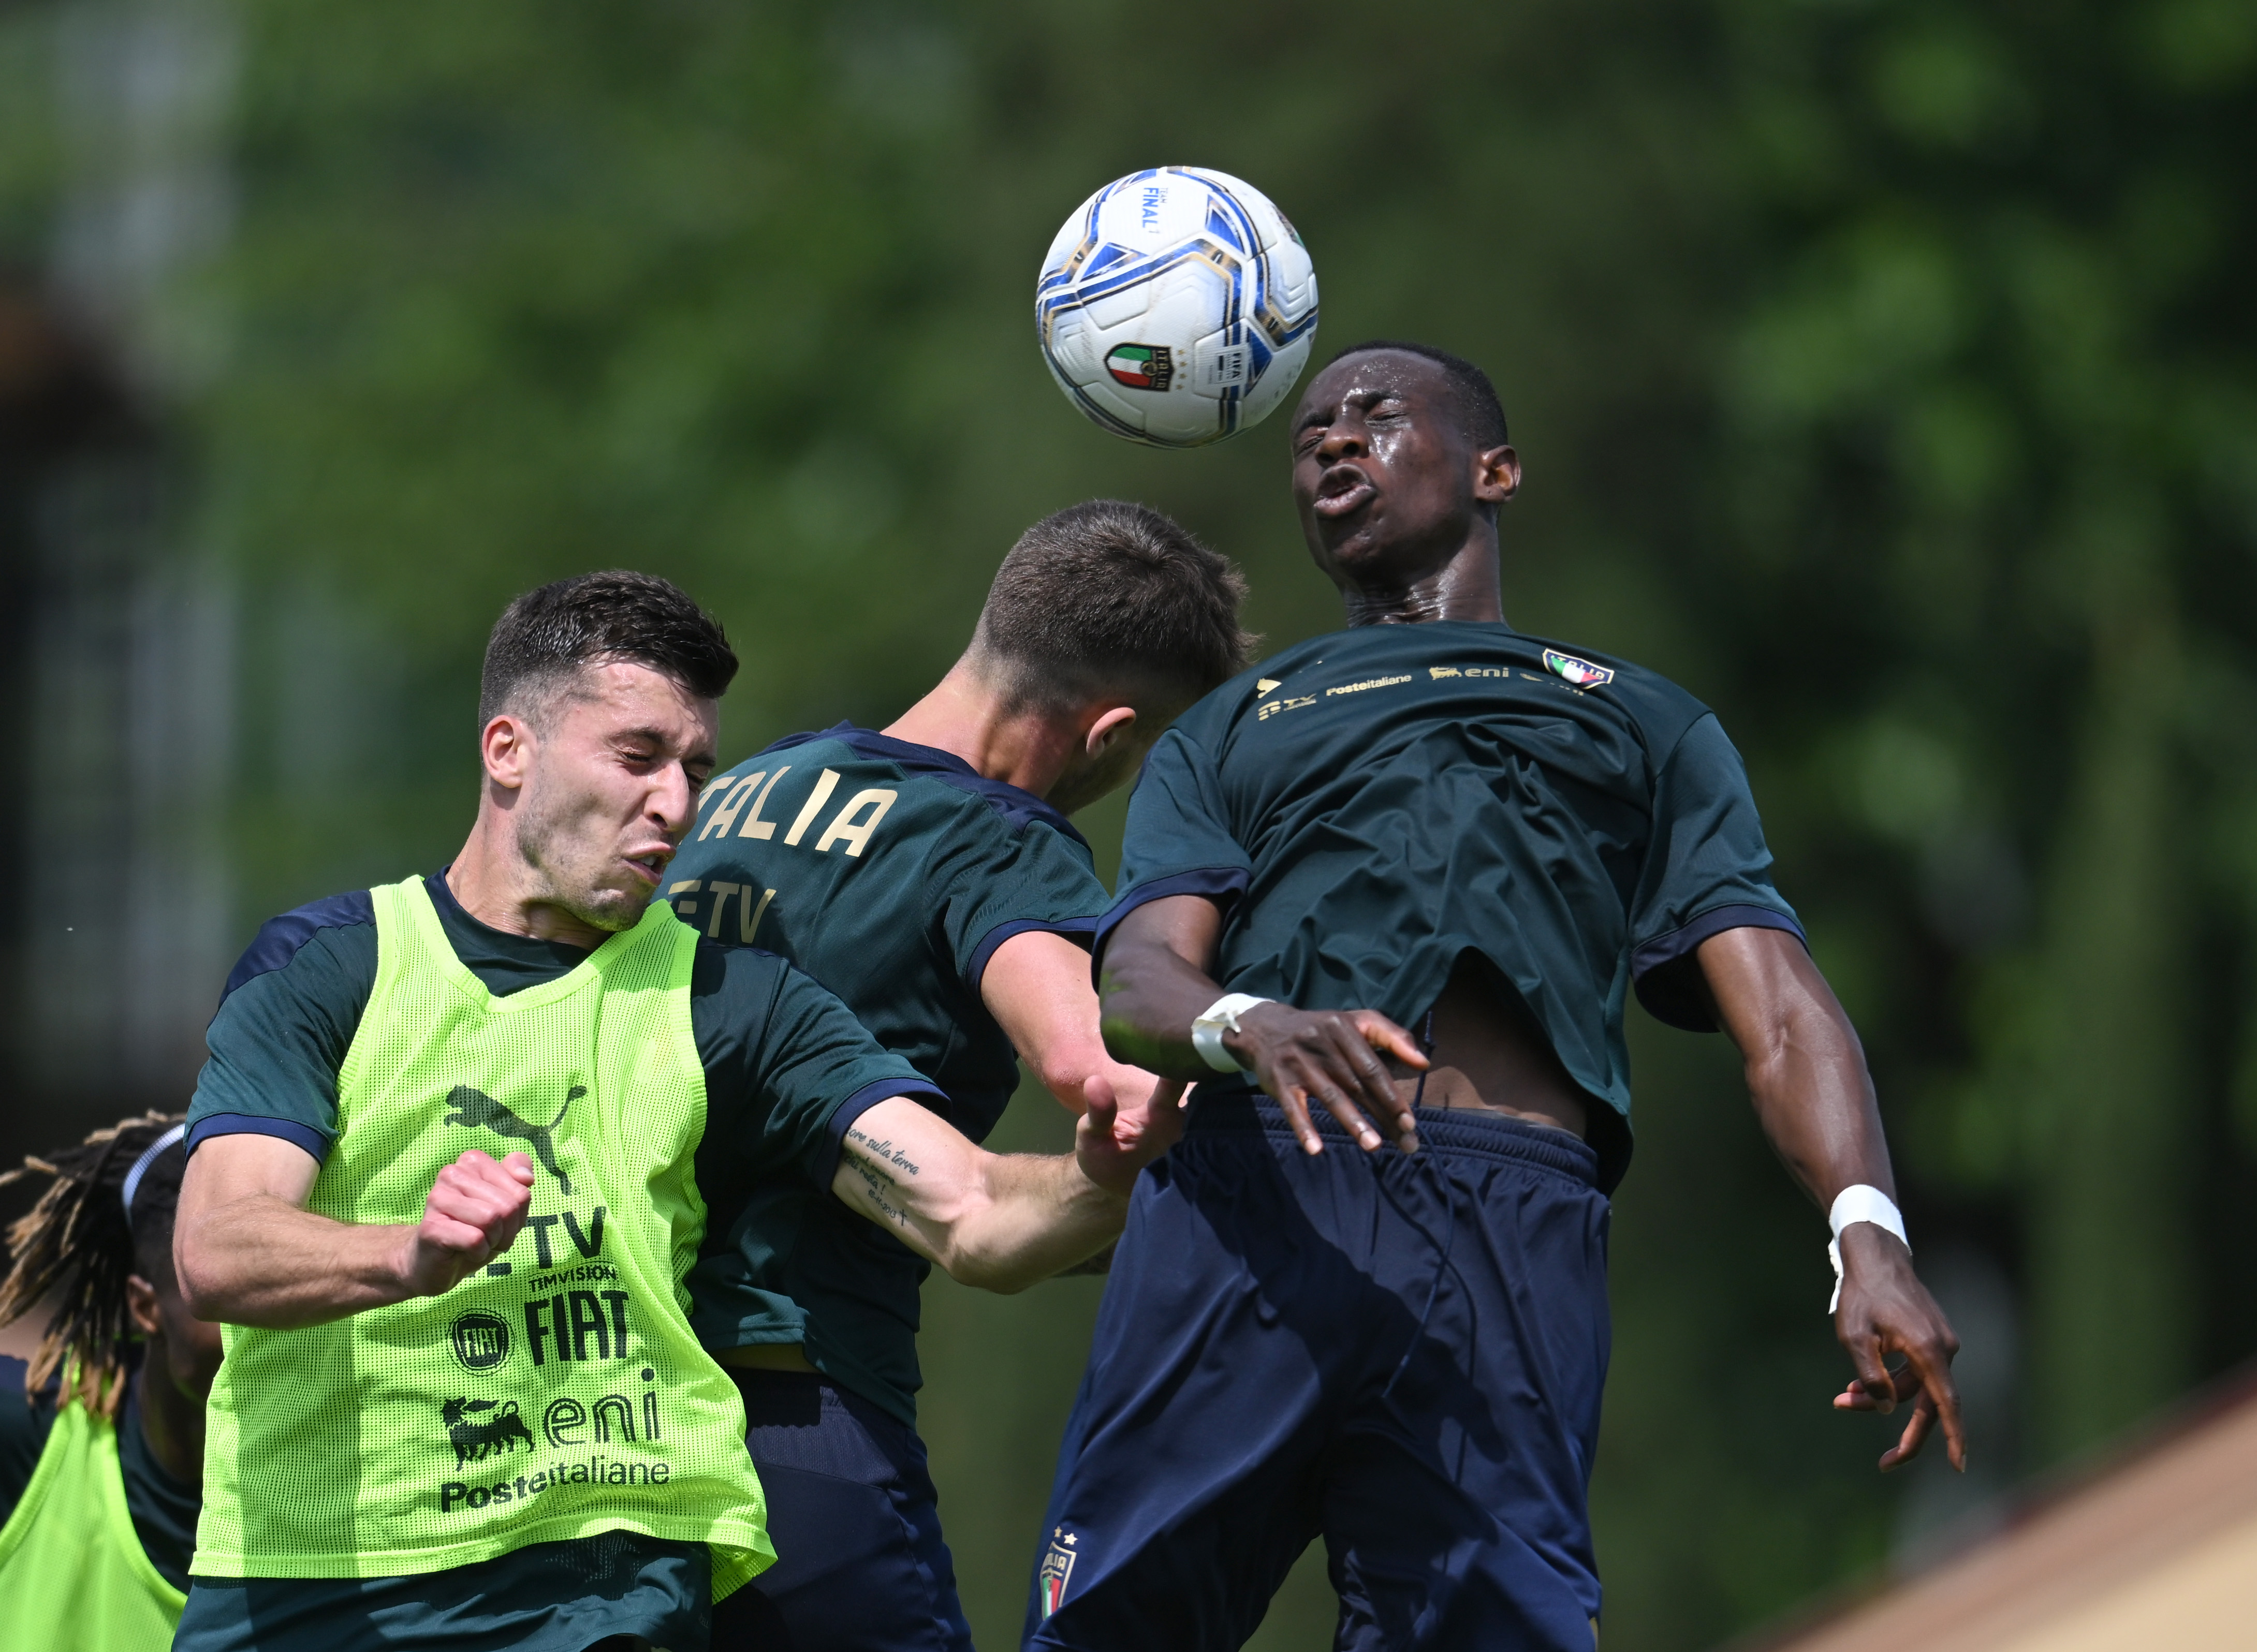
<point>475,1110</point>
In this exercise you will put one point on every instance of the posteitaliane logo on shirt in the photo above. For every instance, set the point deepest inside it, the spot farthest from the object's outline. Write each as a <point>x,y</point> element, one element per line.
<point>1295,702</point>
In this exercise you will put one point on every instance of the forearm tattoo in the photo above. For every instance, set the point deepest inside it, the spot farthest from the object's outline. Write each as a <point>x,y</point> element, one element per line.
<point>876,1163</point>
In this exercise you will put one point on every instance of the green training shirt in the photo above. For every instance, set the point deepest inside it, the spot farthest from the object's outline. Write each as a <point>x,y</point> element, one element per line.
<point>1371,804</point>
<point>784,1064</point>
<point>891,872</point>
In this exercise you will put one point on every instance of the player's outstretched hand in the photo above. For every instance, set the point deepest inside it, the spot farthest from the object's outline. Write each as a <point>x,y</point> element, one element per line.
<point>1330,1056</point>
<point>1112,1142</point>
<point>1886,1311</point>
<point>473,1214</point>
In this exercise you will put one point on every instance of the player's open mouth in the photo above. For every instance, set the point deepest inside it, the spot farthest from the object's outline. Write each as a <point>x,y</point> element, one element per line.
<point>651,865</point>
<point>1341,490</point>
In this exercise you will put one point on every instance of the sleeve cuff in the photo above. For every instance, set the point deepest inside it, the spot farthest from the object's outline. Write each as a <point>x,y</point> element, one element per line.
<point>1222,885</point>
<point>824,1166</point>
<point>248,1124</point>
<point>1077,930</point>
<point>1665,972</point>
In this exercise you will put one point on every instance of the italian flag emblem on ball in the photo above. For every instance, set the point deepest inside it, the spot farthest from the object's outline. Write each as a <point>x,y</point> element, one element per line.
<point>1141,366</point>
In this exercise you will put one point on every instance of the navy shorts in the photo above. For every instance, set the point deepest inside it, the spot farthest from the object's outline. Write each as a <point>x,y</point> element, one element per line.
<point>860,1566</point>
<point>1400,1353</point>
<point>612,1593</point>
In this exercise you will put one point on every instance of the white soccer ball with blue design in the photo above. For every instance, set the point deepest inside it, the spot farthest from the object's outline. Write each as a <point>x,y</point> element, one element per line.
<point>1177,306</point>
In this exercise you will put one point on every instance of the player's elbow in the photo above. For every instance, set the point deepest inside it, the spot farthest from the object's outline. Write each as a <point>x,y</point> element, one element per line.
<point>1065,1072</point>
<point>1795,1048</point>
<point>992,1275</point>
<point>1127,1043</point>
<point>968,1259</point>
<point>980,1248</point>
<point>197,1271</point>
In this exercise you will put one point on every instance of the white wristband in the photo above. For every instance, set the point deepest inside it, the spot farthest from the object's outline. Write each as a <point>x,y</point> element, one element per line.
<point>1853,1204</point>
<point>1221,1017</point>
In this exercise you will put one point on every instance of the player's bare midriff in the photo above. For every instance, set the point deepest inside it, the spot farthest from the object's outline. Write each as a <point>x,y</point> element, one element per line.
<point>1488,1053</point>
<point>767,1356</point>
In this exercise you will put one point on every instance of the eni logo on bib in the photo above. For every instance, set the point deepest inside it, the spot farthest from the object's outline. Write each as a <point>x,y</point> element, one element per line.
<point>1580,674</point>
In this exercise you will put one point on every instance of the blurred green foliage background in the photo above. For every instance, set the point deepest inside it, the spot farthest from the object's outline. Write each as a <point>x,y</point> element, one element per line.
<point>1882,372</point>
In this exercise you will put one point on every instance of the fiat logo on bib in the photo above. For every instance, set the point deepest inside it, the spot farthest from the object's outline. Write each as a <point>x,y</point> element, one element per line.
<point>481,1340</point>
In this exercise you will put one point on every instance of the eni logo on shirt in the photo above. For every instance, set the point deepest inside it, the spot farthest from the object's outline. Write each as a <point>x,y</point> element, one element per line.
<point>1576,673</point>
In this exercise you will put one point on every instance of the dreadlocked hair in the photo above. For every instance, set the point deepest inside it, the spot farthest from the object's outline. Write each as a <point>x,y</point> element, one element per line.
<point>79,1244</point>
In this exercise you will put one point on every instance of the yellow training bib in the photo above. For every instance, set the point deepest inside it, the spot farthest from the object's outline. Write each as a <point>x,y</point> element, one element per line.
<point>555,1394</point>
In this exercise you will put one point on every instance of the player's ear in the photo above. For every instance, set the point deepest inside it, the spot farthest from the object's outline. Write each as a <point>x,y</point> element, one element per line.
<point>141,1305</point>
<point>505,746</point>
<point>1497,475</point>
<point>1111,726</point>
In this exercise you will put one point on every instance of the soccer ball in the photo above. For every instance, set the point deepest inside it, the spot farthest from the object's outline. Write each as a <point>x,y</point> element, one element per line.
<point>1177,306</point>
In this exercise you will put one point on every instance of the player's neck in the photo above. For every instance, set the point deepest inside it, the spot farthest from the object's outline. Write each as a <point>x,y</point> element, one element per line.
<point>490,880</point>
<point>1466,586</point>
<point>172,1423</point>
<point>968,717</point>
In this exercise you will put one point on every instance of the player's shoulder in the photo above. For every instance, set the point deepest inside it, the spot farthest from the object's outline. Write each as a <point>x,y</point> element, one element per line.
<point>941,793</point>
<point>1371,656</point>
<point>1209,721</point>
<point>735,972</point>
<point>739,996</point>
<point>1662,709</point>
<point>346,923</point>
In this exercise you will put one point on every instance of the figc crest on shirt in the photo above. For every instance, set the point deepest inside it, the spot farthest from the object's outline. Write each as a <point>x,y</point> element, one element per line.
<point>1581,672</point>
<point>1056,1567</point>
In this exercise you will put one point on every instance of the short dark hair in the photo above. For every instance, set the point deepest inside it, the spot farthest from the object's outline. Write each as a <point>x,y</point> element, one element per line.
<point>1481,415</point>
<point>1110,595</point>
<point>546,636</point>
